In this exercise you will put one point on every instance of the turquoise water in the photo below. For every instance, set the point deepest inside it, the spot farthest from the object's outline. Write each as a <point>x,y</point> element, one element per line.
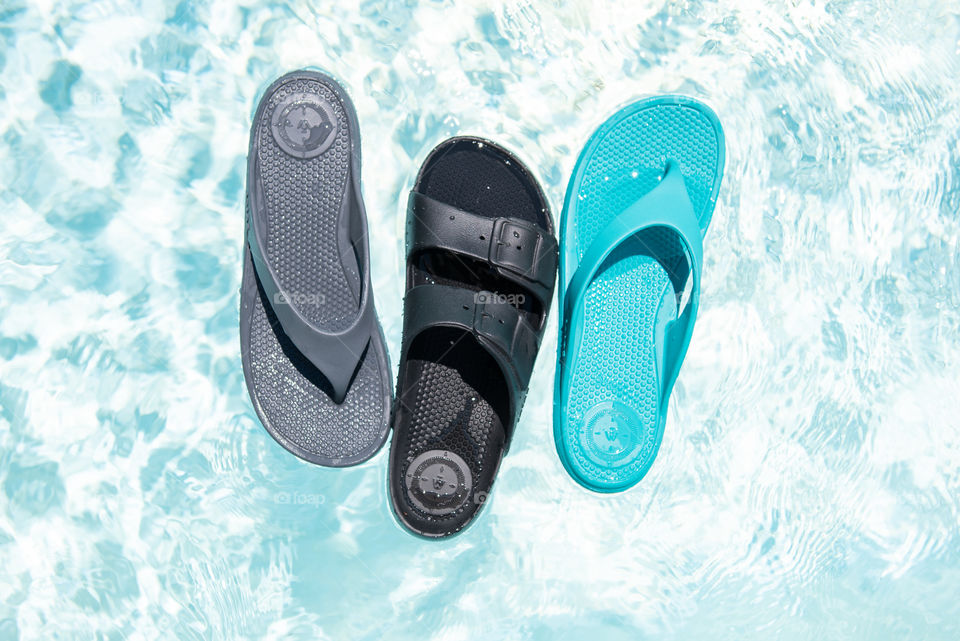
<point>808,486</point>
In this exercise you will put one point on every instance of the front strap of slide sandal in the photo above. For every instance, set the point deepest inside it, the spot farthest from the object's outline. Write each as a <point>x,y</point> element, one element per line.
<point>520,251</point>
<point>667,205</point>
<point>496,325</point>
<point>336,354</point>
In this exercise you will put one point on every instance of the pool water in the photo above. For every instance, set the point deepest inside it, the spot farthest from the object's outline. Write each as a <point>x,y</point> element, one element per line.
<point>808,486</point>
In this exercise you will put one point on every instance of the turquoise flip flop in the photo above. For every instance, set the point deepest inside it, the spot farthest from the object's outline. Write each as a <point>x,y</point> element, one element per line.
<point>639,201</point>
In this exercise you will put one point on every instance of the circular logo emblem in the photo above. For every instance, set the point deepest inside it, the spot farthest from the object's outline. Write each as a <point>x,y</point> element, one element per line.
<point>304,125</point>
<point>438,482</point>
<point>611,434</point>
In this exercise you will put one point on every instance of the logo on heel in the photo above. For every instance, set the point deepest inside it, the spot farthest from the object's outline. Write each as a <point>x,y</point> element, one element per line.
<point>612,434</point>
<point>304,125</point>
<point>438,482</point>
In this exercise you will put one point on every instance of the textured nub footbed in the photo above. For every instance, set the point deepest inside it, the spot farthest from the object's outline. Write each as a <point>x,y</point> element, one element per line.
<point>303,196</point>
<point>453,402</point>
<point>447,427</point>
<point>630,160</point>
<point>294,396</point>
<point>613,407</point>
<point>304,177</point>
<point>481,181</point>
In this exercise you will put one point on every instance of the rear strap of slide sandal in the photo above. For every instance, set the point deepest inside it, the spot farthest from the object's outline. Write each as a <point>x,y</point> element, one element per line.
<point>498,326</point>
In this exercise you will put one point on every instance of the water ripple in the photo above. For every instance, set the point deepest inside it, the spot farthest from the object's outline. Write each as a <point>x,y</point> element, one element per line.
<point>809,481</point>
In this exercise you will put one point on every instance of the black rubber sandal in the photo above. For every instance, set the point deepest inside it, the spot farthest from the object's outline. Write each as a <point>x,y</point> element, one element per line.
<point>481,268</point>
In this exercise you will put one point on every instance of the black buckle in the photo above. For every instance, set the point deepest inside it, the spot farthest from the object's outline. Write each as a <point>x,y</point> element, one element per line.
<point>516,247</point>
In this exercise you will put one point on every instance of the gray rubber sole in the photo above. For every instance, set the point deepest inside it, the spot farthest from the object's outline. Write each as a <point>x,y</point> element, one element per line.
<point>304,188</point>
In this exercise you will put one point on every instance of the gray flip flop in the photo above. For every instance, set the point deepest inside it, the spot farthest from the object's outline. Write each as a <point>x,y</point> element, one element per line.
<point>314,356</point>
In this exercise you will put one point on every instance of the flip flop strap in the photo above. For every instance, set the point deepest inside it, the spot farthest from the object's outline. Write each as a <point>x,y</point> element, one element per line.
<point>518,250</point>
<point>496,325</point>
<point>666,206</point>
<point>336,354</point>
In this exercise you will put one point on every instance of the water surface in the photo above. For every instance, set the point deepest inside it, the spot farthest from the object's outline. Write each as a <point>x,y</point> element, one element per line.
<point>808,486</point>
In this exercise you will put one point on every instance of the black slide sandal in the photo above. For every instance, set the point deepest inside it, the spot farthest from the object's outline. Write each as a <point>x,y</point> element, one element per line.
<point>313,352</point>
<point>481,268</point>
